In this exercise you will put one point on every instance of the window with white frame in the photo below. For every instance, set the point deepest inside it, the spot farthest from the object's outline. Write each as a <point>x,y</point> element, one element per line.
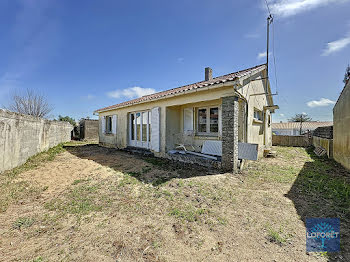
<point>207,120</point>
<point>258,114</point>
<point>108,124</point>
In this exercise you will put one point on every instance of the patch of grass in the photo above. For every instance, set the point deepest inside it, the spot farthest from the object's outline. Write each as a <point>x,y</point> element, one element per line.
<point>156,244</point>
<point>38,259</point>
<point>12,191</point>
<point>222,220</point>
<point>23,222</point>
<point>35,161</point>
<point>51,219</point>
<point>78,181</point>
<point>75,143</point>
<point>276,236</point>
<point>188,213</point>
<point>330,187</point>
<point>159,181</point>
<point>128,180</point>
<point>180,183</point>
<point>273,173</point>
<point>134,174</point>
<point>291,153</point>
<point>319,177</point>
<point>214,193</point>
<point>324,254</point>
<point>164,193</point>
<point>79,201</point>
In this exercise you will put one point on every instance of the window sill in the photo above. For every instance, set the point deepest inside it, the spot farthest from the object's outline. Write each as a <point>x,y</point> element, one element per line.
<point>257,121</point>
<point>108,134</point>
<point>207,136</point>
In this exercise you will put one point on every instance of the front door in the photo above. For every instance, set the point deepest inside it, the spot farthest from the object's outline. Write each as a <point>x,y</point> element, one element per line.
<point>140,129</point>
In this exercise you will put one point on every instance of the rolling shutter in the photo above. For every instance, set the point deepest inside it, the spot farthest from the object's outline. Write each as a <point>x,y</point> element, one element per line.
<point>188,119</point>
<point>114,124</point>
<point>155,125</point>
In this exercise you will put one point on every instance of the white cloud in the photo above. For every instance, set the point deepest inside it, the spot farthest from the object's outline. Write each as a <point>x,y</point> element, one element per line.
<point>336,46</point>
<point>180,60</point>
<point>321,102</point>
<point>282,115</point>
<point>88,97</point>
<point>114,94</point>
<point>132,92</point>
<point>287,8</point>
<point>263,55</point>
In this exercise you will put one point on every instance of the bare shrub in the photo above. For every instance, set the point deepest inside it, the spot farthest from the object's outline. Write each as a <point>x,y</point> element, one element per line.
<point>30,103</point>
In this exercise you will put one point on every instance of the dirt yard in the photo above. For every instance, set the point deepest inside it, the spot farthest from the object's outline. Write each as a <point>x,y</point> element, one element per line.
<point>88,203</point>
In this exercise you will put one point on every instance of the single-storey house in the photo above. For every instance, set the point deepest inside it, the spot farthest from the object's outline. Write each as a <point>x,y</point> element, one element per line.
<point>341,128</point>
<point>219,112</point>
<point>293,128</point>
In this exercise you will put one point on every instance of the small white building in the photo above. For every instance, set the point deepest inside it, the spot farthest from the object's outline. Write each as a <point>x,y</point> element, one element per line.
<point>293,128</point>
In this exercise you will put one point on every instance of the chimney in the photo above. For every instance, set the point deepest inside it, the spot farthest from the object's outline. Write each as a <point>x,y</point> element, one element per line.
<point>208,74</point>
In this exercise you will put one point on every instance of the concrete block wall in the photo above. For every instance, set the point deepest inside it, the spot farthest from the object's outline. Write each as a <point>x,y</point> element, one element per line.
<point>89,129</point>
<point>341,130</point>
<point>22,136</point>
<point>324,132</point>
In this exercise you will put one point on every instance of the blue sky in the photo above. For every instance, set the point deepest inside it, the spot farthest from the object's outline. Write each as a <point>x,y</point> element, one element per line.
<point>84,55</point>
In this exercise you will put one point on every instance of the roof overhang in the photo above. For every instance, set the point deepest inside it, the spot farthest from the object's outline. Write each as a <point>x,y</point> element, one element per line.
<point>206,88</point>
<point>271,108</point>
<point>226,80</point>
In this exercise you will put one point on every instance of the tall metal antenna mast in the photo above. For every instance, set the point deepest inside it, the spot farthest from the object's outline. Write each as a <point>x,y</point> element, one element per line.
<point>269,21</point>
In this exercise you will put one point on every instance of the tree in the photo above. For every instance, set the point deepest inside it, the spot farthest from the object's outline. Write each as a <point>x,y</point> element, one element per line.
<point>30,103</point>
<point>347,75</point>
<point>67,119</point>
<point>300,118</point>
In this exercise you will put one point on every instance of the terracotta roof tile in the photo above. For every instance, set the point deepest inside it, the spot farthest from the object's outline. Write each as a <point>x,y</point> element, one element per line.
<point>216,80</point>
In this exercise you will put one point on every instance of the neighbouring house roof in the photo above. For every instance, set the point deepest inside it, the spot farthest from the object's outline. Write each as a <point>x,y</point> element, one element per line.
<point>296,125</point>
<point>216,80</point>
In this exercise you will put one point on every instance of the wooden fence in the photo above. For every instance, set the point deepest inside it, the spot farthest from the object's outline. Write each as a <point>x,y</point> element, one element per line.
<point>327,144</point>
<point>289,141</point>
